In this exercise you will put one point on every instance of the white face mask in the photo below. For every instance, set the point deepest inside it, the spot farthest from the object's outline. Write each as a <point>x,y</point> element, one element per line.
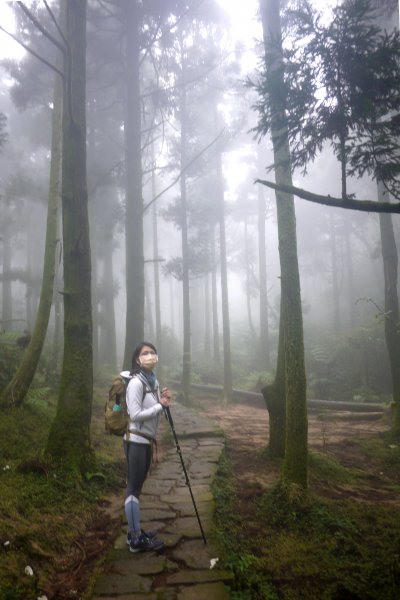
<point>148,361</point>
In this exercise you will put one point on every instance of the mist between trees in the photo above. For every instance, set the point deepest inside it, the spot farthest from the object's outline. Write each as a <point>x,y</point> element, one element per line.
<point>129,209</point>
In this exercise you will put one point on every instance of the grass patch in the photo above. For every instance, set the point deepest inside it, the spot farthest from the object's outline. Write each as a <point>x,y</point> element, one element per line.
<point>45,512</point>
<point>300,546</point>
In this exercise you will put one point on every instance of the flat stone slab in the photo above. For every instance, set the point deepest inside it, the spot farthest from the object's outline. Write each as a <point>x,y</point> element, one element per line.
<point>205,591</point>
<point>203,576</point>
<point>156,514</point>
<point>179,496</point>
<point>194,554</point>
<point>186,509</point>
<point>114,584</point>
<point>140,563</point>
<point>189,527</point>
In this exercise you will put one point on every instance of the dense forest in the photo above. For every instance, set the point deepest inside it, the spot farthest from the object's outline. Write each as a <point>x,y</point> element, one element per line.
<point>256,247</point>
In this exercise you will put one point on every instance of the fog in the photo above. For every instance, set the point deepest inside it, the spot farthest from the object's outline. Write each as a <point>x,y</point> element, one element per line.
<point>339,251</point>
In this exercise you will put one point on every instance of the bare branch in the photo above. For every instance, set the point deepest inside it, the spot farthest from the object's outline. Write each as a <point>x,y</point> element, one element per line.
<point>42,29</point>
<point>350,203</point>
<point>35,54</point>
<point>185,168</point>
<point>56,23</point>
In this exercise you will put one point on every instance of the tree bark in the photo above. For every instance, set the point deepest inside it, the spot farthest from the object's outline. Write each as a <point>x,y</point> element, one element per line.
<point>133,173</point>
<point>214,302</point>
<point>262,260</point>
<point>392,323</point>
<point>294,469</point>
<point>226,332</point>
<point>187,352</point>
<point>274,397</point>
<point>107,337</point>
<point>15,392</point>
<point>7,313</point>
<point>69,437</point>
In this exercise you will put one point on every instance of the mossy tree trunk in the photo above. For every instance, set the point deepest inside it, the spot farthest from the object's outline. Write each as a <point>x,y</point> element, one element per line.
<point>392,322</point>
<point>6,288</point>
<point>69,437</point>
<point>295,463</point>
<point>133,173</point>
<point>265,359</point>
<point>16,390</point>
<point>274,397</point>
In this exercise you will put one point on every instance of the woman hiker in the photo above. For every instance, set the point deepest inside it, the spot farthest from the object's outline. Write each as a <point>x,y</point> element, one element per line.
<point>145,403</point>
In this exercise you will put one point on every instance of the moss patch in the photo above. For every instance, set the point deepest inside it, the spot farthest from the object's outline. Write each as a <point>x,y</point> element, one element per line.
<point>302,546</point>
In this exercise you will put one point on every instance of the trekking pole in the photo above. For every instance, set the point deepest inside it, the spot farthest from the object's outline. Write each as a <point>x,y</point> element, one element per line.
<point>178,449</point>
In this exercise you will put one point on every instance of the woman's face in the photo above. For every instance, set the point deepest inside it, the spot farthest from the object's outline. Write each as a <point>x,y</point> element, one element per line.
<point>147,358</point>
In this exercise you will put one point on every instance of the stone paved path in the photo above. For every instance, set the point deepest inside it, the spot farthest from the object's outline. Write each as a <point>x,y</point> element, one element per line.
<point>182,570</point>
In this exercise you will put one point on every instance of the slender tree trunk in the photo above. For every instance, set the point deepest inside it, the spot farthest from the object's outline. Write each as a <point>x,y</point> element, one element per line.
<point>69,437</point>
<point>350,273</point>
<point>335,269</point>
<point>30,277</point>
<point>248,280</point>
<point>94,287</point>
<point>57,342</point>
<point>207,316</point>
<point>133,172</point>
<point>295,463</point>
<point>274,396</point>
<point>187,353</point>
<point>149,322</point>
<point>7,313</point>
<point>108,338</point>
<point>392,321</point>
<point>226,333</point>
<point>265,360</point>
<point>18,387</point>
<point>214,302</point>
<point>156,264</point>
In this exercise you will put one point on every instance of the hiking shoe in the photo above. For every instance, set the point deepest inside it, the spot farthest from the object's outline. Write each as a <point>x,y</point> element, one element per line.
<point>150,534</point>
<point>145,544</point>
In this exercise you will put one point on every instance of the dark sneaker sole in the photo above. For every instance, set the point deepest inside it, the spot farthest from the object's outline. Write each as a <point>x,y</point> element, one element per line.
<point>147,548</point>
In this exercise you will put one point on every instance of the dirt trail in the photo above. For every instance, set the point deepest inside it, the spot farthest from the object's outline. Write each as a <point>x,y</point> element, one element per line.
<point>335,434</point>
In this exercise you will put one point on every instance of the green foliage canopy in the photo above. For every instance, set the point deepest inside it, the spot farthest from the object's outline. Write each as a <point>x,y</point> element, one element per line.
<point>341,86</point>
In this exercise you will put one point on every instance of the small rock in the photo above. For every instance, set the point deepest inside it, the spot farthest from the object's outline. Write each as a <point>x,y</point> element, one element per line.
<point>29,571</point>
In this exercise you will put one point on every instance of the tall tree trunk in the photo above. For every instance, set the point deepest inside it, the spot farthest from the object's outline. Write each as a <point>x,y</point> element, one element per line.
<point>248,280</point>
<point>207,316</point>
<point>265,360</point>
<point>94,287</point>
<point>7,313</point>
<point>57,342</point>
<point>156,264</point>
<point>149,321</point>
<point>335,269</point>
<point>392,322</point>
<point>226,332</point>
<point>350,272</point>
<point>295,463</point>
<point>274,396</point>
<point>69,437</point>
<point>18,387</point>
<point>133,172</point>
<point>187,353</point>
<point>214,302</point>
<point>108,340</point>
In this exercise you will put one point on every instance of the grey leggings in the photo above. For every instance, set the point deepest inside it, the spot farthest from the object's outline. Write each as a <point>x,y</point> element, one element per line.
<point>138,458</point>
